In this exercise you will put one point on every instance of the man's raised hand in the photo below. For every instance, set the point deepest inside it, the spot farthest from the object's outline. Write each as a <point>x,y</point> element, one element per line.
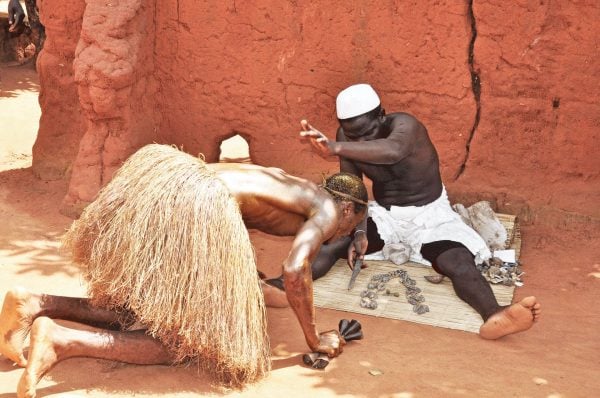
<point>317,139</point>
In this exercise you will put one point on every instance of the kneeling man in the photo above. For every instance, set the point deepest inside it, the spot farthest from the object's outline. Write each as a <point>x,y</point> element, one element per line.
<point>165,245</point>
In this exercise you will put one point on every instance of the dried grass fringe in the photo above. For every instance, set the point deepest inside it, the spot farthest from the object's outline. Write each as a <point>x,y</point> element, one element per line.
<point>165,240</point>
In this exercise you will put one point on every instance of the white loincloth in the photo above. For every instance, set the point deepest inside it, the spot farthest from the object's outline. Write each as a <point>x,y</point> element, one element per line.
<point>412,226</point>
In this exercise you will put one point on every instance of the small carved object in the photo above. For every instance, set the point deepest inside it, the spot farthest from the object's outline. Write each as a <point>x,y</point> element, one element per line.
<point>378,284</point>
<point>498,272</point>
<point>421,309</point>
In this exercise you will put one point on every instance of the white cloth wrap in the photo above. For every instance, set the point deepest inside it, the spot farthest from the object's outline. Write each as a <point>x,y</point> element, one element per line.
<point>413,226</point>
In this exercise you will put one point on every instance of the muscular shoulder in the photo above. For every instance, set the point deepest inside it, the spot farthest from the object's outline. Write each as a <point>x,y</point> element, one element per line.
<point>401,122</point>
<point>339,135</point>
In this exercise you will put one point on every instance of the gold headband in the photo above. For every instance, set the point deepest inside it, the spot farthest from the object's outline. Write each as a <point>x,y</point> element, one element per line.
<point>343,195</point>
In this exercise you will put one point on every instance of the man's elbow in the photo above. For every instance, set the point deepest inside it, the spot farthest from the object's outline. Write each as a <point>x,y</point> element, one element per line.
<point>391,157</point>
<point>292,273</point>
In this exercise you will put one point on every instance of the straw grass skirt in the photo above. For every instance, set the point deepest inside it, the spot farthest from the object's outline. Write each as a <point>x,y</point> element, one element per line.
<point>166,241</point>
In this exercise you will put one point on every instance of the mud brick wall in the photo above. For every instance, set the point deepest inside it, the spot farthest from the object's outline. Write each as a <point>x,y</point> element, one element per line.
<point>506,90</point>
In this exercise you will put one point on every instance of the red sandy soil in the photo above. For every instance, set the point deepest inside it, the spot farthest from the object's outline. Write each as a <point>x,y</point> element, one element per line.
<point>558,357</point>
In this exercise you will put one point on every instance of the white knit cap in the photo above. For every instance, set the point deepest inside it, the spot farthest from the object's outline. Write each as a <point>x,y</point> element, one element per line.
<point>355,101</point>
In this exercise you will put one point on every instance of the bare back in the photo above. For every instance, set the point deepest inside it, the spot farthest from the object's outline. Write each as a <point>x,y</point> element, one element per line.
<point>275,202</point>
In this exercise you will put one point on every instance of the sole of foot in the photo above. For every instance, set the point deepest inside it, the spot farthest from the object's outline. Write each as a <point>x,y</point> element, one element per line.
<point>43,355</point>
<point>515,318</point>
<point>15,322</point>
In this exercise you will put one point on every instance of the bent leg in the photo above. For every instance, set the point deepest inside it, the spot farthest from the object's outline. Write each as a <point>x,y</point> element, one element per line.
<point>324,260</point>
<point>328,255</point>
<point>21,307</point>
<point>457,263</point>
<point>52,343</point>
<point>375,241</point>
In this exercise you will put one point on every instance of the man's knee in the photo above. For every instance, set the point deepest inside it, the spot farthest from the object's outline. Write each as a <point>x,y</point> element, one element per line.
<point>322,264</point>
<point>456,263</point>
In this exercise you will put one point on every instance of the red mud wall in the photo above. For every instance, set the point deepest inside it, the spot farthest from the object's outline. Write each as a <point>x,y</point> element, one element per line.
<point>538,139</point>
<point>507,90</point>
<point>61,124</point>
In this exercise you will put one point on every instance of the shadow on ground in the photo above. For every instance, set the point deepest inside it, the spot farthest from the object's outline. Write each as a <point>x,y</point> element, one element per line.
<point>11,89</point>
<point>30,224</point>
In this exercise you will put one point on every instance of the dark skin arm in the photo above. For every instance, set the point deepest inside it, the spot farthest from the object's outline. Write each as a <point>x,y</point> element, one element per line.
<point>369,148</point>
<point>299,289</point>
<point>276,203</point>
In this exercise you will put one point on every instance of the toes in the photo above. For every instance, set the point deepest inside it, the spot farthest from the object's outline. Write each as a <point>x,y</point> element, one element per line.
<point>24,389</point>
<point>11,354</point>
<point>536,310</point>
<point>529,302</point>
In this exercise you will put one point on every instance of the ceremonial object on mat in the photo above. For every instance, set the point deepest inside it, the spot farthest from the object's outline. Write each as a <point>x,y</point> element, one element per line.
<point>165,241</point>
<point>445,308</point>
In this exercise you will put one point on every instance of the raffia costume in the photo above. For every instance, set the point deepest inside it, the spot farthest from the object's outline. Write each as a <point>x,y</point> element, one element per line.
<point>165,240</point>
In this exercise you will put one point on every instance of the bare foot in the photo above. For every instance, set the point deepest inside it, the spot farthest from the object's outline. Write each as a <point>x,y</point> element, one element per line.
<point>512,319</point>
<point>44,352</point>
<point>274,297</point>
<point>19,308</point>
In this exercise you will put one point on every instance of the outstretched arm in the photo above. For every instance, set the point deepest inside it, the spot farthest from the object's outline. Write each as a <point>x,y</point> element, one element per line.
<point>299,289</point>
<point>323,146</point>
<point>395,147</point>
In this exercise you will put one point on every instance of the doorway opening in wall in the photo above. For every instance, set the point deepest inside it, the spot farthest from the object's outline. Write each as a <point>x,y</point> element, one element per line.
<point>19,115</point>
<point>235,150</point>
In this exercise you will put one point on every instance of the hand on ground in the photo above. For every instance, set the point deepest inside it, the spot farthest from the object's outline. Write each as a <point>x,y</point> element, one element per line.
<point>330,343</point>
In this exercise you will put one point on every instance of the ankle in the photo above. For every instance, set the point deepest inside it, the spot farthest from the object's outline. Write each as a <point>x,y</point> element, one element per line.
<point>487,314</point>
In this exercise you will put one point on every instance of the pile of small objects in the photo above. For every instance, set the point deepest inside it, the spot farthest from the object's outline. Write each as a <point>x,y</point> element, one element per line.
<point>377,285</point>
<point>498,271</point>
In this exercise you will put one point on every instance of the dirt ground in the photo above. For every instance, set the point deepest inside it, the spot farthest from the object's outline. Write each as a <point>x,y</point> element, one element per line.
<point>558,357</point>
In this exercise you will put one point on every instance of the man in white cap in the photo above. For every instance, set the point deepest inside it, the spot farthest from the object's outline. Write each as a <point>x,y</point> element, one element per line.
<point>411,208</point>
